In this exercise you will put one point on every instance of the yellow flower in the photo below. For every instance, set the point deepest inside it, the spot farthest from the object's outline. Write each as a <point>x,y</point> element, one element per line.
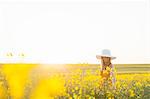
<point>17,77</point>
<point>108,68</point>
<point>131,92</point>
<point>2,92</point>
<point>73,90</point>
<point>105,73</point>
<point>76,88</point>
<point>138,84</point>
<point>48,87</point>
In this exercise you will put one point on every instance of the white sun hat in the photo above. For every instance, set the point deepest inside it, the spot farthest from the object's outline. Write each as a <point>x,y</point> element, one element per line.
<point>105,53</point>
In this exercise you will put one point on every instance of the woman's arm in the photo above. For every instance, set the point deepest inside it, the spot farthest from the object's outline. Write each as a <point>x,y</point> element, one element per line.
<point>100,70</point>
<point>113,75</point>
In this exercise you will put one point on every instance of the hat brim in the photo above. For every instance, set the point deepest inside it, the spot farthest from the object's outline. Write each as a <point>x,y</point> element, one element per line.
<point>99,56</point>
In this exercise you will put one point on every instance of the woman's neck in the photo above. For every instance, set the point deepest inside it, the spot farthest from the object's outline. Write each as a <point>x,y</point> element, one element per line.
<point>107,64</point>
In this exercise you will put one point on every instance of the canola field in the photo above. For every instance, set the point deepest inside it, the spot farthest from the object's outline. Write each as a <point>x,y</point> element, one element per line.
<point>73,81</point>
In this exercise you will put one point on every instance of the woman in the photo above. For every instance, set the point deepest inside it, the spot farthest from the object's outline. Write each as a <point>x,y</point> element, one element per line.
<point>107,69</point>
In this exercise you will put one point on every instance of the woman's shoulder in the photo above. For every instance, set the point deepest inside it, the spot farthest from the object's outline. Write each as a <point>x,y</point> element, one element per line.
<point>111,66</point>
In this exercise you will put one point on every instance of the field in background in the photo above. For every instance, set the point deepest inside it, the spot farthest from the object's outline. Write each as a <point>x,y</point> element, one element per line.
<point>120,68</point>
<point>66,68</point>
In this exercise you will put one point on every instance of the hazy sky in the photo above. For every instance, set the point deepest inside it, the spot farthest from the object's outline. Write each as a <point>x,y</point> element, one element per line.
<point>74,31</point>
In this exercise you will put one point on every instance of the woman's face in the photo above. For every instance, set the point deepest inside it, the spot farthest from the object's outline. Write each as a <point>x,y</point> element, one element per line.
<point>106,60</point>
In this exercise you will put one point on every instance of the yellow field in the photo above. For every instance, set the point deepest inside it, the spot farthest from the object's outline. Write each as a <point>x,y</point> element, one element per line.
<point>41,81</point>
